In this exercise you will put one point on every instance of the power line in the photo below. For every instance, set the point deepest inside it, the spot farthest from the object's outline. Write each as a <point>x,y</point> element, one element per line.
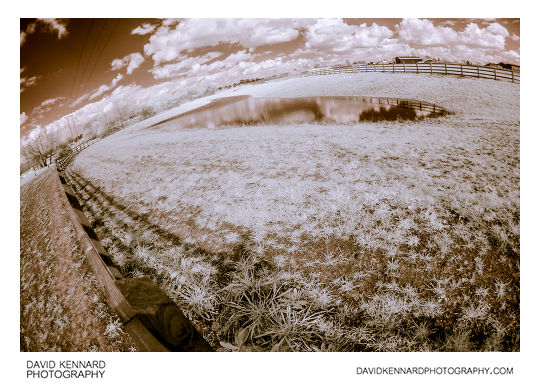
<point>92,53</point>
<point>80,57</point>
<point>101,53</point>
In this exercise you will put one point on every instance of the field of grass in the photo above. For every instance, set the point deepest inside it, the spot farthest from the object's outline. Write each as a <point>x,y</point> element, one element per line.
<point>388,236</point>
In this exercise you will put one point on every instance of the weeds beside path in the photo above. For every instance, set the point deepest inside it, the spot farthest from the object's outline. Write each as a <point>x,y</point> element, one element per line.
<point>61,307</point>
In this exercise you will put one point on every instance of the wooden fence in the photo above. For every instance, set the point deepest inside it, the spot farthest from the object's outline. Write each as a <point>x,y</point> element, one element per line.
<point>150,317</point>
<point>63,161</point>
<point>419,68</point>
<point>404,103</point>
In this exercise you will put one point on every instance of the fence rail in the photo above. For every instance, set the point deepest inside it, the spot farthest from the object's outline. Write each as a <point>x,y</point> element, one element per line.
<point>63,161</point>
<point>149,316</point>
<point>419,68</point>
<point>404,103</point>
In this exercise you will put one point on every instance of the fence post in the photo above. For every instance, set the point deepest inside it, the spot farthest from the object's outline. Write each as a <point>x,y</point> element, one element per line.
<point>495,73</point>
<point>445,69</point>
<point>461,68</point>
<point>478,71</point>
<point>512,76</point>
<point>431,68</point>
<point>416,67</point>
<point>394,69</point>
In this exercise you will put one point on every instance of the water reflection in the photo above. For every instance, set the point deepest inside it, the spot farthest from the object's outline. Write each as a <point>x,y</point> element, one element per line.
<point>241,110</point>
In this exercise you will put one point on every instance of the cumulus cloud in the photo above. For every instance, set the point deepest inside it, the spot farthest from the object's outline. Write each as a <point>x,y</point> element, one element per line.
<point>116,80</point>
<point>105,87</point>
<point>131,61</point>
<point>54,26</point>
<point>334,35</point>
<point>80,99</point>
<point>477,44</point>
<point>176,37</point>
<point>24,118</point>
<point>51,101</point>
<point>493,36</point>
<point>27,82</point>
<point>144,29</point>
<point>450,23</point>
<point>183,65</point>
<point>422,32</point>
<point>100,91</point>
<point>46,106</point>
<point>235,62</point>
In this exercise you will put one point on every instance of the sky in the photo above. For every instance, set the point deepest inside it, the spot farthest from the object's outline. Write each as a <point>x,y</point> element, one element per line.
<point>85,68</point>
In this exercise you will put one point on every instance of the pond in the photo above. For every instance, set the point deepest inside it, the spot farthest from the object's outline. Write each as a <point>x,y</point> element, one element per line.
<point>247,110</point>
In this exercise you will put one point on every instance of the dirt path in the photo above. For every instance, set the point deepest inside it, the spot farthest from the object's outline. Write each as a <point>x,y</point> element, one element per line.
<point>61,307</point>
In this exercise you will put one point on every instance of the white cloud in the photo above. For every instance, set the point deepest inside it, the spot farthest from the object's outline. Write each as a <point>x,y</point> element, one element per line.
<point>493,36</point>
<point>131,61</point>
<point>135,61</point>
<point>422,32</point>
<point>183,65</point>
<point>52,101</point>
<point>55,26</point>
<point>46,106</point>
<point>36,131</point>
<point>334,35</point>
<point>234,62</point>
<point>450,23</point>
<point>144,29</point>
<point>173,37</point>
<point>117,64</point>
<point>100,91</point>
<point>80,99</point>
<point>24,118</point>
<point>116,80</point>
<point>27,82</point>
<point>105,87</point>
<point>479,45</point>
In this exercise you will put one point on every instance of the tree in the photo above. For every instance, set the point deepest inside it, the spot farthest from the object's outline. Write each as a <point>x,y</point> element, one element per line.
<point>37,151</point>
<point>147,112</point>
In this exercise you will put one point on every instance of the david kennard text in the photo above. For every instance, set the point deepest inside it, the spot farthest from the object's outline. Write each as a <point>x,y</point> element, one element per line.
<point>65,369</point>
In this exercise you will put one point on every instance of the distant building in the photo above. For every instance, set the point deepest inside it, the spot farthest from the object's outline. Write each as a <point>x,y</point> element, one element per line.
<point>408,59</point>
<point>509,66</point>
<point>501,65</point>
<point>494,65</point>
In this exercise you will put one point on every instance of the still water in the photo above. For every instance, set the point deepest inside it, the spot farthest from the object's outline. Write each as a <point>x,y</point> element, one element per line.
<point>246,110</point>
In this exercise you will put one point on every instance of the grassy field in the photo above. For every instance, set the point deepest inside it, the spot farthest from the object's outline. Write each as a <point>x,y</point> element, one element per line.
<point>389,236</point>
